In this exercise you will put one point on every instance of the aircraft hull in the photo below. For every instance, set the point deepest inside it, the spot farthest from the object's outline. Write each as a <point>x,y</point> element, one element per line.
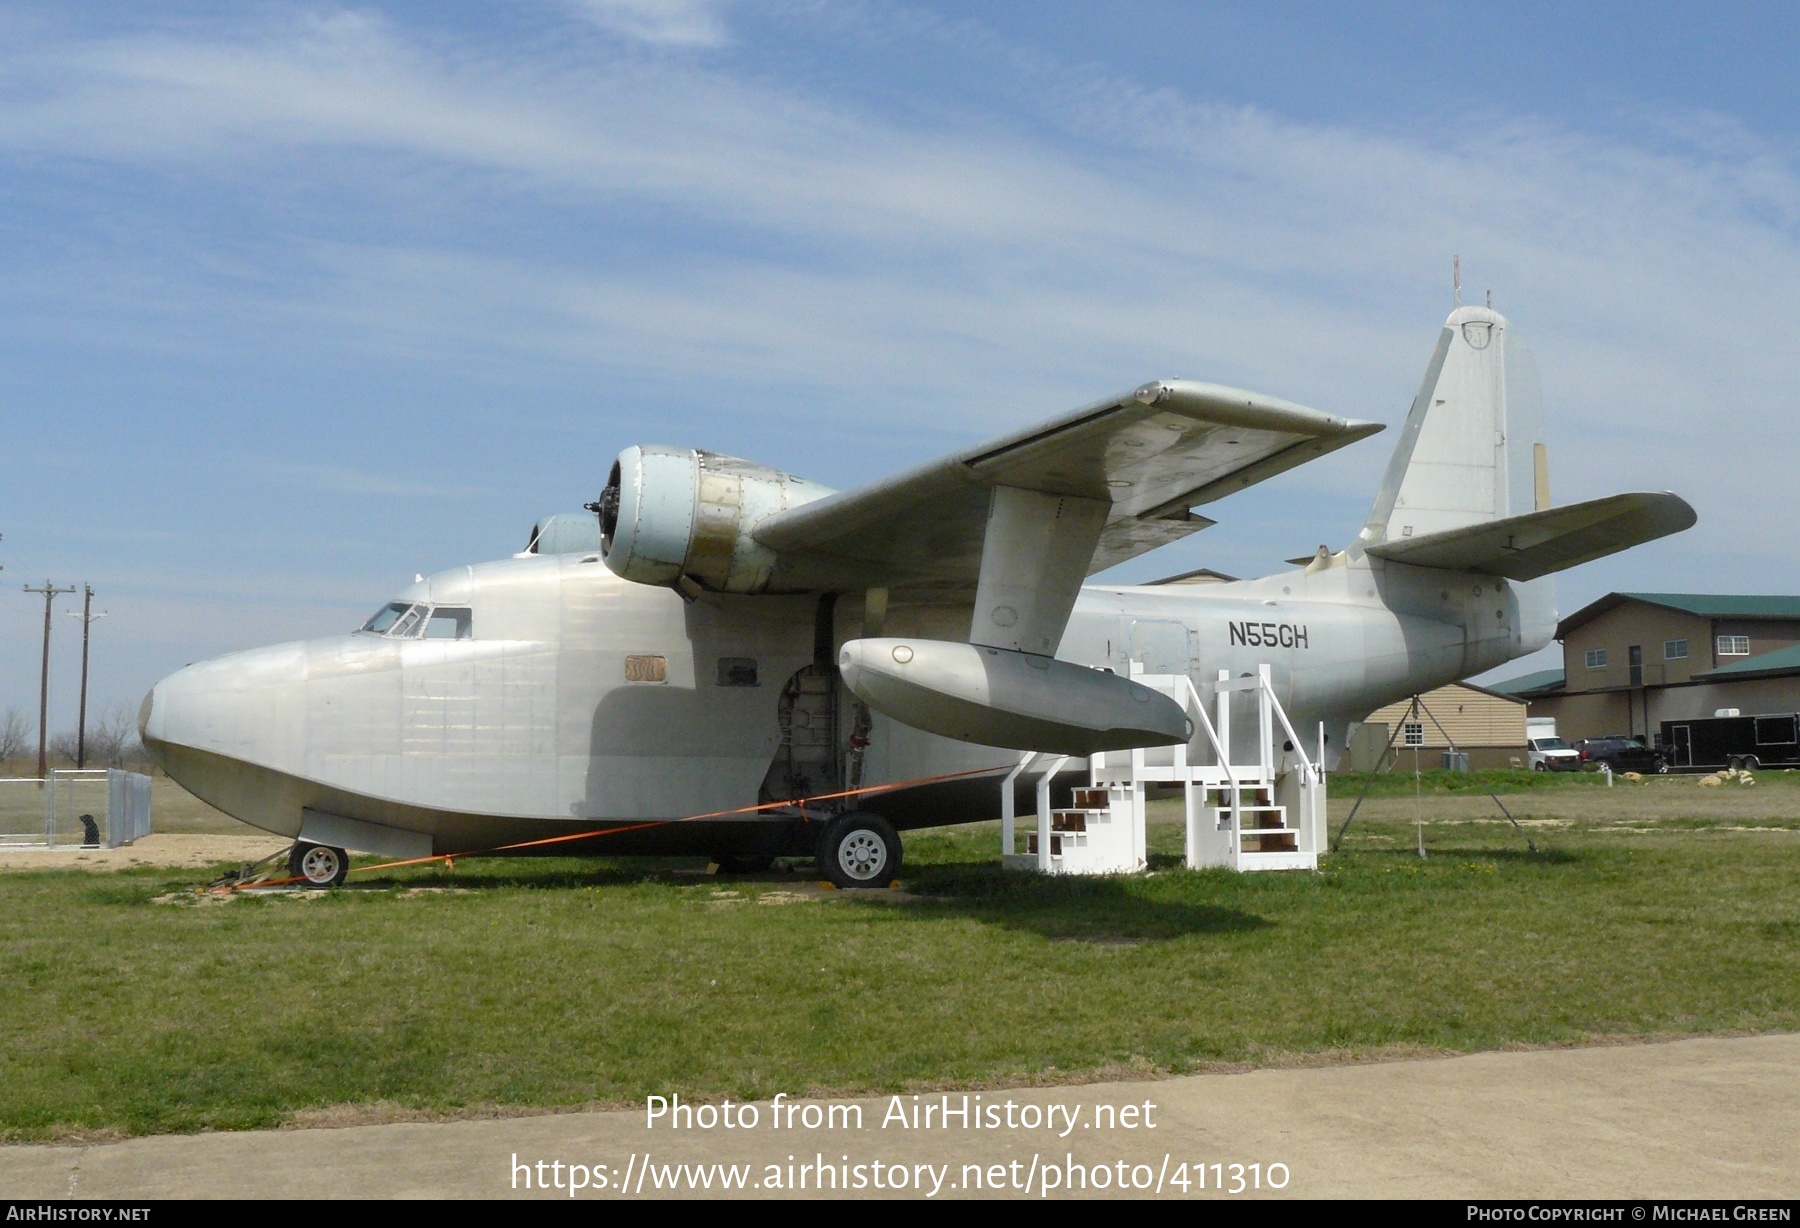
<point>532,728</point>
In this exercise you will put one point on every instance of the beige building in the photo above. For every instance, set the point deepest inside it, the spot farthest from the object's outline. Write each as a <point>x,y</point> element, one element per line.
<point>1634,660</point>
<point>1487,725</point>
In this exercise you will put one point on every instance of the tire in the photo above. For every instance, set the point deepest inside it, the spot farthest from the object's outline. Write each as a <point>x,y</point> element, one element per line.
<point>1752,763</point>
<point>318,865</point>
<point>859,849</point>
<point>1540,766</point>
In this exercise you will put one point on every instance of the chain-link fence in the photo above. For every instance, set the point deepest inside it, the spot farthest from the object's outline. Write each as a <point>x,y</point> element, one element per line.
<point>96,806</point>
<point>78,806</point>
<point>127,807</point>
<point>24,811</point>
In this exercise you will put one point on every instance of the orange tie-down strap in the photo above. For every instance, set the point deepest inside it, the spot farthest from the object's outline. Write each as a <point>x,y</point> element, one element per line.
<point>449,859</point>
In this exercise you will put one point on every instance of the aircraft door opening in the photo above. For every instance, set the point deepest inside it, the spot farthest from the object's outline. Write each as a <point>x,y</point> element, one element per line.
<point>809,759</point>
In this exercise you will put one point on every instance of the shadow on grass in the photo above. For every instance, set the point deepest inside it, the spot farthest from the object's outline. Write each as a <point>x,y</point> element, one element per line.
<point>544,874</point>
<point>1106,910</point>
<point>1388,854</point>
<point>1103,910</point>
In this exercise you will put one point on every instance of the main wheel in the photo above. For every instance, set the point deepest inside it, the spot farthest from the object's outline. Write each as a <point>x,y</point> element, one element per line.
<point>319,865</point>
<point>859,849</point>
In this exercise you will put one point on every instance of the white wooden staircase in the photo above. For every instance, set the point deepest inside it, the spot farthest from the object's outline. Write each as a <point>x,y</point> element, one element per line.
<point>1265,815</point>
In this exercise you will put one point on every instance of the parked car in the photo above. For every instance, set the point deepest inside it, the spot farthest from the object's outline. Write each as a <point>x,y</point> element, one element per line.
<point>1551,755</point>
<point>1620,754</point>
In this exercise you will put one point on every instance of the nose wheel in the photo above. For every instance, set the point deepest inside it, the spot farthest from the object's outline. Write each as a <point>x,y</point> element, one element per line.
<point>318,865</point>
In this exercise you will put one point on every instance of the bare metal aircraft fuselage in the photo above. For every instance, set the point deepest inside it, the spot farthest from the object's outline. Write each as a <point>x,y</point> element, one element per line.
<point>581,700</point>
<point>739,648</point>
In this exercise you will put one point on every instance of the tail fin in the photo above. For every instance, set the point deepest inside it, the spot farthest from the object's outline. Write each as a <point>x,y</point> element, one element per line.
<point>1472,448</point>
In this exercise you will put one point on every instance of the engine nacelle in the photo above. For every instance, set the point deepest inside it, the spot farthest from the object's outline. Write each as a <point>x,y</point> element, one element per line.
<point>673,512</point>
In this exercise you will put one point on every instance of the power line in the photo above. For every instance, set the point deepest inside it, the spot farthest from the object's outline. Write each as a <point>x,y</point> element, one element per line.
<point>51,593</point>
<point>87,617</point>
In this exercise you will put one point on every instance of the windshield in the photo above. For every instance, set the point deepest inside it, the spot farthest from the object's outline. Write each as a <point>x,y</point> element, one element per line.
<point>405,620</point>
<point>385,616</point>
<point>448,623</point>
<point>1550,744</point>
<point>409,621</point>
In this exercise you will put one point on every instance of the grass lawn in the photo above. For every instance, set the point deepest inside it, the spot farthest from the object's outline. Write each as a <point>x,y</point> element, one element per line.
<point>1655,910</point>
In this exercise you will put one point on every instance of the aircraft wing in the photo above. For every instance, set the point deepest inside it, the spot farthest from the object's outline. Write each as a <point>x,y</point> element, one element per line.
<point>1147,458</point>
<point>1538,543</point>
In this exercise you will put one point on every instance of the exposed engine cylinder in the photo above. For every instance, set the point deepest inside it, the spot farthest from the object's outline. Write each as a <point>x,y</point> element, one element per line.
<point>673,512</point>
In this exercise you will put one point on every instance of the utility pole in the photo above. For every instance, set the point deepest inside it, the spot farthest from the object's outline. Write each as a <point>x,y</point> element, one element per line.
<point>87,617</point>
<point>51,593</point>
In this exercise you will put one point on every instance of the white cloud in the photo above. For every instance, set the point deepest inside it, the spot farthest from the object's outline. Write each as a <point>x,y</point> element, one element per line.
<point>662,23</point>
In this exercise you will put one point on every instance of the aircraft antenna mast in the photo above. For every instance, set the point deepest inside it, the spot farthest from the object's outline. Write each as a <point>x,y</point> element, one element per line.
<point>51,593</point>
<point>1456,278</point>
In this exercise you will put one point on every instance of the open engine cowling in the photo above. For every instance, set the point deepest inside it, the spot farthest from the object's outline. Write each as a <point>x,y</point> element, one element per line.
<point>673,512</point>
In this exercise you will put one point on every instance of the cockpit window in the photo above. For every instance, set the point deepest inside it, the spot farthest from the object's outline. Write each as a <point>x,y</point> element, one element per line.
<point>449,623</point>
<point>405,620</point>
<point>386,616</point>
<point>410,622</point>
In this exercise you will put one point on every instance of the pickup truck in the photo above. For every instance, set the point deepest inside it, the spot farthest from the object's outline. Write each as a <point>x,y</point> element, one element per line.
<point>1551,755</point>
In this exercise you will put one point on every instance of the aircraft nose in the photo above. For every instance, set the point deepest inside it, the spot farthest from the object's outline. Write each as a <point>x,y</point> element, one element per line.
<point>145,710</point>
<point>238,705</point>
<point>224,730</point>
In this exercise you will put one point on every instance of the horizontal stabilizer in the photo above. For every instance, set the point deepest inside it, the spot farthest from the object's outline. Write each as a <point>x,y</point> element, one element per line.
<point>1538,543</point>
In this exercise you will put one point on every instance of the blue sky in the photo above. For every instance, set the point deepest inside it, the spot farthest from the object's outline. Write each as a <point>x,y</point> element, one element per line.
<point>300,300</point>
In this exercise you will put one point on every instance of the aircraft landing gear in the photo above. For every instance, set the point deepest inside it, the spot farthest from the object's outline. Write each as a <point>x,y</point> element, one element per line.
<point>859,849</point>
<point>318,865</point>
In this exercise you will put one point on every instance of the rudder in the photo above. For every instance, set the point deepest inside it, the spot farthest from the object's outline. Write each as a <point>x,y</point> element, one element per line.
<point>1472,448</point>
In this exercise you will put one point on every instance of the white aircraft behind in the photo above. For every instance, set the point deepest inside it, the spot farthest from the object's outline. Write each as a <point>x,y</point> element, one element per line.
<point>722,635</point>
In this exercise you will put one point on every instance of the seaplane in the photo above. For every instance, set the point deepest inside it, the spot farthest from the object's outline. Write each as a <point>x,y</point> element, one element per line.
<point>720,658</point>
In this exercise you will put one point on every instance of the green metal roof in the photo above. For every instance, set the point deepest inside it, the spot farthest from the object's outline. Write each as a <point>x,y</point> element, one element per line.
<point>1530,684</point>
<point>1703,605</point>
<point>1781,661</point>
<point>1725,605</point>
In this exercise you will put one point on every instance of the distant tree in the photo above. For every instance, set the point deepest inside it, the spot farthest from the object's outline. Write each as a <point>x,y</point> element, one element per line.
<point>112,738</point>
<point>16,731</point>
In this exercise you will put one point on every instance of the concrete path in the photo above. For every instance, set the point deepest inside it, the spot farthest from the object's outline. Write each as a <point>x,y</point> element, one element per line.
<point>1709,1118</point>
